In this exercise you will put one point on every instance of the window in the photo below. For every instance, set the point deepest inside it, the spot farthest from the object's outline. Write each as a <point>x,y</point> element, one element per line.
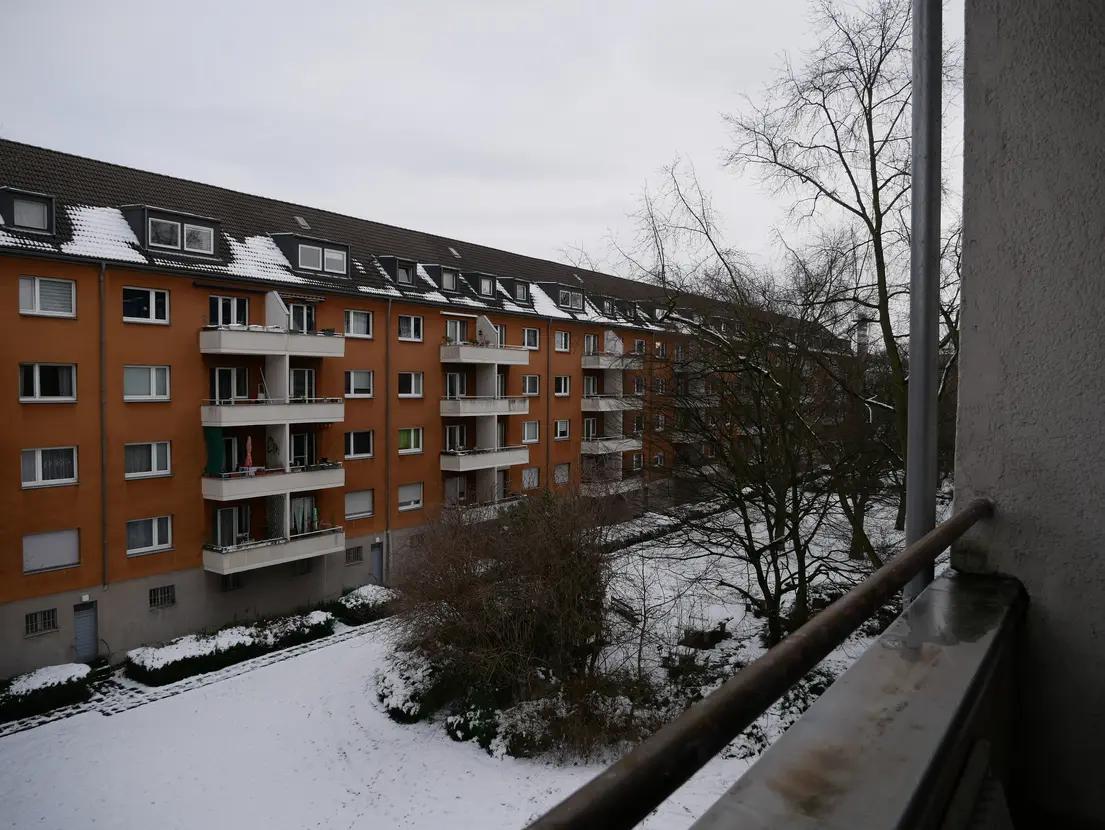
<point>359,444</point>
<point>163,596</point>
<point>590,428</point>
<point>40,622</point>
<point>680,352</point>
<point>487,286</point>
<point>410,440</point>
<point>354,556</point>
<point>149,535</point>
<point>310,257</point>
<point>199,239</point>
<point>358,323</point>
<point>500,334</point>
<point>521,292</point>
<point>410,384</point>
<point>639,346</point>
<point>145,305</point>
<point>333,261</point>
<point>563,341</point>
<point>571,299</point>
<point>661,349</point>
<point>147,460</point>
<point>163,233</point>
<point>145,383</point>
<point>638,460</point>
<point>563,384</point>
<point>49,467</point>
<point>47,382</point>
<point>638,424</point>
<point>31,214</point>
<point>358,505</point>
<point>456,331</point>
<point>47,297</point>
<point>456,385</point>
<point>303,384</point>
<point>456,437</point>
<point>658,460</point>
<point>229,383</point>
<point>301,317</point>
<point>410,328</point>
<point>531,338</point>
<point>590,386</point>
<point>404,274</point>
<point>531,478</point>
<point>410,496</point>
<point>590,344</point>
<point>659,421</point>
<point>561,429</point>
<point>358,383</point>
<point>658,386</point>
<point>608,307</point>
<point>448,279</point>
<point>228,311</point>
<point>531,432</point>
<point>303,449</point>
<point>638,385</point>
<point>562,473</point>
<point>531,384</point>
<point>50,550</point>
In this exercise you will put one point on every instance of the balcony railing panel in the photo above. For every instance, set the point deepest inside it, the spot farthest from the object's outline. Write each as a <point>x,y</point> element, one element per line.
<point>611,403</point>
<point>462,461</point>
<point>461,405</point>
<point>266,340</point>
<point>484,353</point>
<point>611,360</point>
<point>264,553</point>
<point>605,444</point>
<point>261,482</point>
<point>263,411</point>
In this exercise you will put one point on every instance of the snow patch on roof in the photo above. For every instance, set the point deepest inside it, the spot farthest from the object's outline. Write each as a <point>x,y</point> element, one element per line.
<point>385,290</point>
<point>102,232</point>
<point>260,258</point>
<point>30,242</point>
<point>544,306</point>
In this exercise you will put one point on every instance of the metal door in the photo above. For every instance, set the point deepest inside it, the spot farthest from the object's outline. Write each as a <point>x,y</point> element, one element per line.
<point>376,551</point>
<point>86,637</point>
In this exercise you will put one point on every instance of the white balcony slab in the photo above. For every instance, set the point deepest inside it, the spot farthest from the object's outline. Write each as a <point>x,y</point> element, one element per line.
<point>603,446</point>
<point>596,489</point>
<point>246,413</point>
<point>271,483</point>
<point>628,360</point>
<point>262,340</point>
<point>264,554</point>
<point>476,513</point>
<point>457,407</point>
<point>473,353</point>
<point>465,461</point>
<point>610,403</point>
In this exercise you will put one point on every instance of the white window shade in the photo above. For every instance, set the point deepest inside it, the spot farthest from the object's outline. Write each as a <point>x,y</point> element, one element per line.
<point>56,549</point>
<point>410,496</point>
<point>358,503</point>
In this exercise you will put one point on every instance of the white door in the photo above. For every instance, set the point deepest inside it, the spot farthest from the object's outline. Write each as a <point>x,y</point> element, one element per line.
<point>303,449</point>
<point>456,331</point>
<point>303,384</point>
<point>455,385</point>
<point>455,437</point>
<point>232,525</point>
<point>590,386</point>
<point>590,428</point>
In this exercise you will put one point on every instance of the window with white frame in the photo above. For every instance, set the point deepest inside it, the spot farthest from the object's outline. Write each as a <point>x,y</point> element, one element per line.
<point>146,460</point>
<point>562,385</point>
<point>29,213</point>
<point>410,327</point>
<point>680,352</point>
<point>359,443</point>
<point>51,550</point>
<point>358,323</point>
<point>47,297</point>
<point>456,437</point>
<point>358,383</point>
<point>410,496</point>
<point>404,273</point>
<point>487,286</point>
<point>608,307</point>
<point>638,385</point>
<point>163,233</point>
<point>658,460</point>
<point>199,239</point>
<point>638,424</point>
<point>659,421</point>
<point>229,383</point>
<point>590,428</point>
<point>149,535</point>
<point>47,382</point>
<point>562,473</point>
<point>500,335</point>
<point>145,305</point>
<point>310,257</point>
<point>358,505</point>
<point>531,384</point>
<point>661,349</point>
<point>333,260</point>
<point>49,466</point>
<point>456,331</point>
<point>410,384</point>
<point>410,440</point>
<point>456,385</point>
<point>563,341</point>
<point>163,596</point>
<point>302,383</point>
<point>531,432</point>
<point>227,311</point>
<point>590,386</point>
<point>639,346</point>
<point>590,344</point>
<point>561,429</point>
<point>658,385</point>
<point>40,622</point>
<point>531,478</point>
<point>571,299</point>
<point>301,317</point>
<point>531,338</point>
<point>638,460</point>
<point>448,280</point>
<point>145,383</point>
<point>521,292</point>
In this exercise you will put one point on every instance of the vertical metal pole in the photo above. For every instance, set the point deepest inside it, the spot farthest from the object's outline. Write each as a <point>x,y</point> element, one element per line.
<point>924,283</point>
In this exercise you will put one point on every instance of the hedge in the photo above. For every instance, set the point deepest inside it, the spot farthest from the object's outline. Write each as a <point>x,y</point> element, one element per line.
<point>44,689</point>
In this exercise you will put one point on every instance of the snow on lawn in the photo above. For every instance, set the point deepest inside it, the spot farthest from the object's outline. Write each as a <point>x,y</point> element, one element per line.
<point>297,744</point>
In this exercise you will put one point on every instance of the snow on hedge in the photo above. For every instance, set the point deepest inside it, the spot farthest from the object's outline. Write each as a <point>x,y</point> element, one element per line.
<point>46,677</point>
<point>403,682</point>
<point>368,596</point>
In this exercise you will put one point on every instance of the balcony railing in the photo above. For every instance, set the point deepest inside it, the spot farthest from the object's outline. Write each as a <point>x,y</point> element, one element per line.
<point>612,360</point>
<point>610,403</point>
<point>453,406</point>
<point>904,722</point>
<point>256,482</point>
<point>604,444</point>
<point>482,458</point>
<point>261,411</point>
<point>474,511</point>
<point>468,352</point>
<point>265,340</point>
<point>261,553</point>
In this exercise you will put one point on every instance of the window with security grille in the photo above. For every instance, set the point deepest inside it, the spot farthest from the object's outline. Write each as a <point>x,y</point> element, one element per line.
<point>39,622</point>
<point>163,596</point>
<point>354,556</point>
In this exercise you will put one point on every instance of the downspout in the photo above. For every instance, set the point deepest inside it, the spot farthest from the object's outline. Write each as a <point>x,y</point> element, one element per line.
<point>548,385</point>
<point>103,422</point>
<point>387,447</point>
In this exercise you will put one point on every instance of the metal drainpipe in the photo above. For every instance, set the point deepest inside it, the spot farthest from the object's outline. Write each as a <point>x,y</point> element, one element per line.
<point>387,448</point>
<point>548,400</point>
<point>924,284</point>
<point>103,423</point>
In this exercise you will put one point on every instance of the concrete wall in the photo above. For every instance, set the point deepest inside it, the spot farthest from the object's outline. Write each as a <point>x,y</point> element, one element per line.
<point>1032,392</point>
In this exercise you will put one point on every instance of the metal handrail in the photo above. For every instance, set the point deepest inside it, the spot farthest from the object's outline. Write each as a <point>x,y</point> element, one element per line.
<point>480,450</point>
<point>485,345</point>
<point>264,472</point>
<point>484,397</point>
<point>257,327</point>
<point>626,792</point>
<point>262,401</point>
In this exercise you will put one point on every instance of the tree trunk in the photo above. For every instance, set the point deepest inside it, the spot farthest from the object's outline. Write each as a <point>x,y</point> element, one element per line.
<point>857,545</point>
<point>899,519</point>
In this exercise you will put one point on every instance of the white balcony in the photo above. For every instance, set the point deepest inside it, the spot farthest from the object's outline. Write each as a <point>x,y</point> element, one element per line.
<point>476,513</point>
<point>603,445</point>
<point>611,403</point>
<point>463,461</point>
<point>264,340</point>
<point>473,405</point>
<point>248,412</point>
<point>611,487</point>
<point>262,554</point>
<point>262,482</point>
<point>484,353</point>
<point>611,360</point>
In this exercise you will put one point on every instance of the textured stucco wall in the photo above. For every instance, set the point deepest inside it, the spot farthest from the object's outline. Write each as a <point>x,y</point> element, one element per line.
<point>1032,393</point>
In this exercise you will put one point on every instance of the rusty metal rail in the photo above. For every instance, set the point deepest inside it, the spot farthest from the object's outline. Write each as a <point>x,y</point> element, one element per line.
<point>630,789</point>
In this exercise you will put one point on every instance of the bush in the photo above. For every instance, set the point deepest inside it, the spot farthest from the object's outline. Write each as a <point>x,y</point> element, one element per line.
<point>201,653</point>
<point>475,724</point>
<point>364,605</point>
<point>44,689</point>
<point>410,687</point>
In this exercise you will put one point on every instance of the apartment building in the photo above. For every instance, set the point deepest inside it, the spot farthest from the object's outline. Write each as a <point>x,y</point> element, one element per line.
<point>226,406</point>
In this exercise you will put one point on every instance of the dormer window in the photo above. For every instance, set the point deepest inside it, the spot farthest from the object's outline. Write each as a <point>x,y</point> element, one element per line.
<point>487,286</point>
<point>310,257</point>
<point>448,279</point>
<point>521,292</point>
<point>571,299</point>
<point>164,234</point>
<point>608,307</point>
<point>31,214</point>
<point>333,260</point>
<point>404,273</point>
<point>187,236</point>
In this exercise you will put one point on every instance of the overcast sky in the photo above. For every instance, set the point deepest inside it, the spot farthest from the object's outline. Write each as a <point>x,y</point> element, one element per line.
<point>528,127</point>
